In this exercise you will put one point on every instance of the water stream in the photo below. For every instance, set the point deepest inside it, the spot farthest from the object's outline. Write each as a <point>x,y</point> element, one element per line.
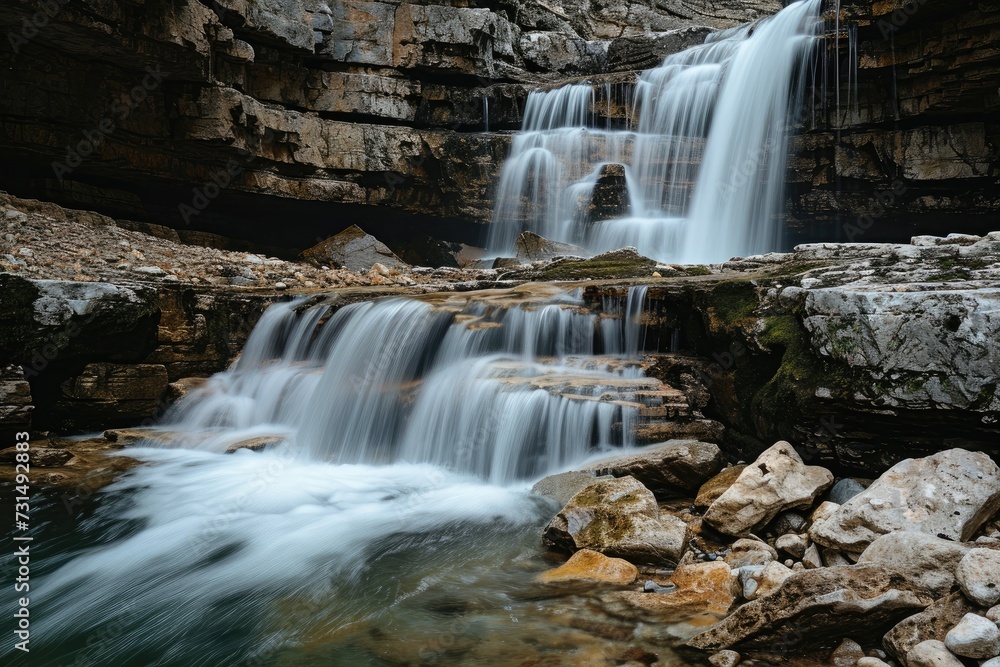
<point>388,522</point>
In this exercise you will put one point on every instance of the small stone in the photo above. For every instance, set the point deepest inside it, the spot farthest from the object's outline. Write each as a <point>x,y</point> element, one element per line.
<point>844,490</point>
<point>656,274</point>
<point>833,558</point>
<point>811,559</point>
<point>978,574</point>
<point>974,637</point>
<point>745,552</point>
<point>868,661</point>
<point>17,216</point>
<point>590,567</point>
<point>653,587</point>
<point>149,271</point>
<point>769,580</point>
<point>280,286</point>
<point>847,654</point>
<point>994,614</point>
<point>825,510</point>
<point>25,252</point>
<point>788,522</point>
<point>931,653</point>
<point>793,545</point>
<point>725,659</point>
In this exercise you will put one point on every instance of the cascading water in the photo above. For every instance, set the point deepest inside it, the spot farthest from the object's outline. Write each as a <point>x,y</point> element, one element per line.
<point>705,159</point>
<point>404,436</point>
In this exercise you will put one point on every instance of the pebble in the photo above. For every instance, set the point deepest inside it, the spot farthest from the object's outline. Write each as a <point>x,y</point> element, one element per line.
<point>280,286</point>
<point>149,271</point>
<point>844,490</point>
<point>974,637</point>
<point>847,654</point>
<point>871,662</point>
<point>725,659</point>
<point>653,587</point>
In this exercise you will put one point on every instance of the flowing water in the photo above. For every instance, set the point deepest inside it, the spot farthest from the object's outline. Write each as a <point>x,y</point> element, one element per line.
<point>389,521</point>
<point>704,156</point>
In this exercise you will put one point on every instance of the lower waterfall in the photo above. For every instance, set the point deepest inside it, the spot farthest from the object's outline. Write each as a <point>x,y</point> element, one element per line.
<point>402,437</point>
<point>704,158</point>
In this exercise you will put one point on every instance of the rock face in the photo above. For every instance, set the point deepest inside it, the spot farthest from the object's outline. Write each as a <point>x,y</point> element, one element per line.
<point>949,494</point>
<point>813,606</point>
<point>776,481</point>
<point>353,249</point>
<point>96,355</point>
<point>670,470</point>
<point>618,517</point>
<point>318,114</point>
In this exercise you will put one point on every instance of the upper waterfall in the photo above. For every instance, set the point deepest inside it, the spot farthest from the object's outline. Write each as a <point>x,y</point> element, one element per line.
<point>704,156</point>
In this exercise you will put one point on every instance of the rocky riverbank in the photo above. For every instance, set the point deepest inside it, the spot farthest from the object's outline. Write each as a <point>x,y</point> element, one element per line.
<point>797,566</point>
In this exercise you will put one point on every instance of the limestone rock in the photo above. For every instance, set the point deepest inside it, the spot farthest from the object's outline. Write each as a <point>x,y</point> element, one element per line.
<point>929,560</point>
<point>812,558</point>
<point>932,623</point>
<point>974,637</point>
<point>717,485</point>
<point>591,567</point>
<point>767,581</point>
<point>724,659</point>
<point>672,469</point>
<point>931,653</point>
<point>701,587</point>
<point>563,486</point>
<point>618,517</point>
<point>978,574</point>
<point>750,552</point>
<point>949,494</point>
<point>531,247</point>
<point>776,481</point>
<point>813,606</point>
<point>847,654</point>
<point>353,248</point>
<point>793,545</point>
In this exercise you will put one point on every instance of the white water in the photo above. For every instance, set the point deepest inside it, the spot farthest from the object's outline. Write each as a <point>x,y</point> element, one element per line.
<point>410,434</point>
<point>705,156</point>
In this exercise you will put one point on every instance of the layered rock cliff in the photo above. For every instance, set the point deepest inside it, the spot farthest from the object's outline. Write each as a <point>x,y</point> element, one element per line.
<point>228,116</point>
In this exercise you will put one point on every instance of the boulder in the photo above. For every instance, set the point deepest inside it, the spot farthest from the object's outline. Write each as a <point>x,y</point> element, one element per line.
<point>618,517</point>
<point>563,486</point>
<point>932,623</point>
<point>531,247</point>
<point>978,574</point>
<point>673,469</point>
<point>931,653</point>
<point>949,494</point>
<point>974,637</point>
<point>591,567</point>
<point>776,481</point>
<point>813,607</point>
<point>930,561</point>
<point>355,249</point>
<point>717,485</point>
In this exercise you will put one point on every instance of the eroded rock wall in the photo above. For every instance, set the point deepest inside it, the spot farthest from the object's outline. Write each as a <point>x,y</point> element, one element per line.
<point>227,115</point>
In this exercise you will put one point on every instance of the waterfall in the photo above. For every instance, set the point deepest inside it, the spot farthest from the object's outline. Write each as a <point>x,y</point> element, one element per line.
<point>503,392</point>
<point>704,158</point>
